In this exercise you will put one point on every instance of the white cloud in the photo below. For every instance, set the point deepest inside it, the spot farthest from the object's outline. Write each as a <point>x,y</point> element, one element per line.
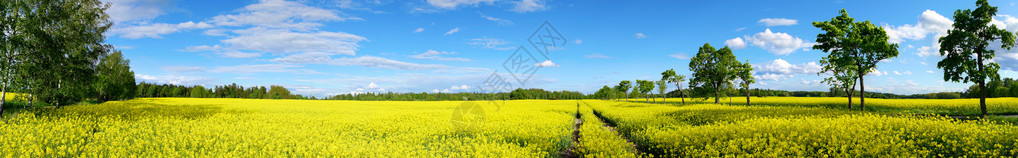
<point>490,43</point>
<point>437,55</point>
<point>172,79</point>
<point>524,6</point>
<point>366,61</point>
<point>682,56</point>
<point>451,31</point>
<point>546,63</point>
<point>500,21</point>
<point>925,51</point>
<point>779,69</point>
<point>597,56</point>
<point>461,87</point>
<point>929,71</point>
<point>896,72</point>
<point>418,30</point>
<point>155,30</point>
<point>781,66</point>
<point>183,69</point>
<point>279,14</point>
<point>372,85</point>
<point>740,29</point>
<point>238,54</point>
<point>452,4</point>
<point>778,22</point>
<point>133,10</point>
<point>777,43</point>
<point>202,48</point>
<point>639,36</point>
<point>876,72</point>
<point>736,43</point>
<point>578,42</point>
<point>285,41</point>
<point>277,68</point>
<point>929,22</point>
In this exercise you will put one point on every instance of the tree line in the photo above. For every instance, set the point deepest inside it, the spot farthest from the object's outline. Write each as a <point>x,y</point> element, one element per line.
<point>854,48</point>
<point>516,94</point>
<point>223,91</point>
<point>54,52</point>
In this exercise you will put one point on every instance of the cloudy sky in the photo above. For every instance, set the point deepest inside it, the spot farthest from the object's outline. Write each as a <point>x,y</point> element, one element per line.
<point>350,46</point>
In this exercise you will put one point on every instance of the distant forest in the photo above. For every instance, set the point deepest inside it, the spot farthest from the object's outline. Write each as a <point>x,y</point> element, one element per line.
<point>1007,87</point>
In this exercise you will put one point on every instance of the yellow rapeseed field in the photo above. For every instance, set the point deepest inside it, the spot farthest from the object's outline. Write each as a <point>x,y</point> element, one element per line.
<point>178,127</point>
<point>710,130</point>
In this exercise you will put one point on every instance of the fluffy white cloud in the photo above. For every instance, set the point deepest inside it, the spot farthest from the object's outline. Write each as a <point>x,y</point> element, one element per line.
<point>418,30</point>
<point>172,79</point>
<point>277,68</point>
<point>929,22</point>
<point>639,36</point>
<point>777,43</point>
<point>546,63</point>
<point>132,10</point>
<point>461,87</point>
<point>285,41</point>
<point>239,54</point>
<point>524,6</point>
<point>781,66</point>
<point>454,30</point>
<point>736,43</point>
<point>929,71</point>
<point>437,55</point>
<point>279,14</point>
<point>778,22</point>
<point>154,30</point>
<point>452,4</point>
<point>490,43</point>
<point>366,61</point>
<point>779,69</point>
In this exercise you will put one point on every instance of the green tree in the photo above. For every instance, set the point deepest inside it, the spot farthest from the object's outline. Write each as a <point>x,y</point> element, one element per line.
<point>279,92</point>
<point>644,86</point>
<point>624,87</point>
<point>843,78</point>
<point>744,73</point>
<point>859,44</point>
<point>967,57</point>
<point>670,76</point>
<point>115,80</point>
<point>712,72</point>
<point>662,88</point>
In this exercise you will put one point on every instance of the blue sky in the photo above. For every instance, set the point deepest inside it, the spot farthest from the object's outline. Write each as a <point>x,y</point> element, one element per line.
<point>324,48</point>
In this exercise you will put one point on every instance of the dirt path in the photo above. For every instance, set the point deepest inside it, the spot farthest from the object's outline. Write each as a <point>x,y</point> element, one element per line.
<point>611,126</point>
<point>570,152</point>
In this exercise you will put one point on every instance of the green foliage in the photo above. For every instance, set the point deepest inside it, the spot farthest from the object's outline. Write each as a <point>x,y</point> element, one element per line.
<point>967,57</point>
<point>115,80</point>
<point>713,72</point>
<point>644,86</point>
<point>670,77</point>
<point>852,46</point>
<point>624,87</point>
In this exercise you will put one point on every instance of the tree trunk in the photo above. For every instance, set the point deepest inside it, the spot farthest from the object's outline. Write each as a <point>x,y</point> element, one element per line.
<point>716,99</point>
<point>3,95</point>
<point>982,82</point>
<point>645,97</point>
<point>850,91</point>
<point>747,97</point>
<point>862,91</point>
<point>683,96</point>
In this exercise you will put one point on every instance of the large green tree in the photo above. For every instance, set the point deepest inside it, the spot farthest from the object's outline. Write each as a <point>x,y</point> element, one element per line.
<point>744,73</point>
<point>966,48</point>
<point>624,87</point>
<point>859,44</point>
<point>115,79</point>
<point>644,86</point>
<point>843,78</point>
<point>670,77</point>
<point>713,72</point>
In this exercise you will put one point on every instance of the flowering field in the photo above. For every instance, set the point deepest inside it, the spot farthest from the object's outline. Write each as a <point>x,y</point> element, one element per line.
<point>177,127</point>
<point>708,130</point>
<point>190,127</point>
